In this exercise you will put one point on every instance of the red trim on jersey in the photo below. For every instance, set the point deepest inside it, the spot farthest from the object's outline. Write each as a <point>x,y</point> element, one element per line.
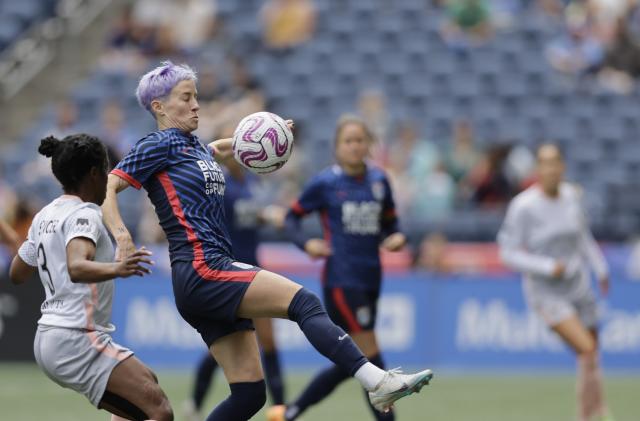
<point>298,209</point>
<point>199,263</point>
<point>341,303</point>
<point>126,177</point>
<point>389,213</point>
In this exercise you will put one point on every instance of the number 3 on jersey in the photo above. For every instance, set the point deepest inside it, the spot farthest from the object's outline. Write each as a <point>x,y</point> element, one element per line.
<point>42,262</point>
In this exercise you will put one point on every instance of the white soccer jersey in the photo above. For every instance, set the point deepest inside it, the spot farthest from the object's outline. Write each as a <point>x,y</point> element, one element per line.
<point>69,304</point>
<point>540,231</point>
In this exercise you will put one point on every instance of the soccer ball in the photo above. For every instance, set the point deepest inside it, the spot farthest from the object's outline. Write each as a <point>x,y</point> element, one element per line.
<point>262,142</point>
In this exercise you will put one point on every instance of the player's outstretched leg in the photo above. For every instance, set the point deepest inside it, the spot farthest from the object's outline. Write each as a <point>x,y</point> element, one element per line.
<point>272,295</point>
<point>133,393</point>
<point>238,355</point>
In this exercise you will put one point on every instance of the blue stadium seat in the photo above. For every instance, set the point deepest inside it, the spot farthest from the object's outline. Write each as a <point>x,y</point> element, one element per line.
<point>10,29</point>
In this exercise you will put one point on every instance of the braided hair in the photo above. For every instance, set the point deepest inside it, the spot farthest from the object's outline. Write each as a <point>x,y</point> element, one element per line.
<point>73,157</point>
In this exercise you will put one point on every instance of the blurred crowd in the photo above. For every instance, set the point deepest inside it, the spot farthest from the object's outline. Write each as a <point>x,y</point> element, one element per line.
<point>431,177</point>
<point>601,39</point>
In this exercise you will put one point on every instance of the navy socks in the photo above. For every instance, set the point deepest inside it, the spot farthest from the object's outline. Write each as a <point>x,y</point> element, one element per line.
<point>245,400</point>
<point>330,340</point>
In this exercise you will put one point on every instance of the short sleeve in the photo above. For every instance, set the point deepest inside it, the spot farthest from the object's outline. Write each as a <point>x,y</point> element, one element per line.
<point>84,223</point>
<point>146,158</point>
<point>27,251</point>
<point>311,199</point>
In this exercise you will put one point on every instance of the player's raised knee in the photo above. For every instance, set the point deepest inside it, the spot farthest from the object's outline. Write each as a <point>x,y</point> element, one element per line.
<point>305,304</point>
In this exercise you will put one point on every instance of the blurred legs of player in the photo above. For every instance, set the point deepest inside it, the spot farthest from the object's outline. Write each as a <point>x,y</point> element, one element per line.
<point>328,379</point>
<point>270,359</point>
<point>355,311</point>
<point>133,393</point>
<point>271,295</point>
<point>591,404</point>
<point>270,362</point>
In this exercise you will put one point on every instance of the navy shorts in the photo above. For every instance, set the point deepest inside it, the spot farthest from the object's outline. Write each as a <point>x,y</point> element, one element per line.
<point>208,297</point>
<point>354,310</point>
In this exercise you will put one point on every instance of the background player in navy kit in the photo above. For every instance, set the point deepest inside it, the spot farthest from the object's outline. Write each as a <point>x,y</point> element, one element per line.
<point>244,216</point>
<point>358,216</point>
<point>214,293</point>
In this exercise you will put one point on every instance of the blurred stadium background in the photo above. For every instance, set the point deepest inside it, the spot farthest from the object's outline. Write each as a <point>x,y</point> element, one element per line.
<point>458,93</point>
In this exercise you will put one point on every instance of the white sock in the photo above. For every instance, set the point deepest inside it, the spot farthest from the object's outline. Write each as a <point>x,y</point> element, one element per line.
<point>369,376</point>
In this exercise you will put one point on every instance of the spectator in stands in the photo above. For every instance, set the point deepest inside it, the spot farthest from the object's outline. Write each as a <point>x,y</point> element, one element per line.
<point>66,122</point>
<point>287,23</point>
<point>434,196</point>
<point>186,24</point>
<point>127,33</point>
<point>8,200</point>
<point>113,132</point>
<point>372,109</point>
<point>410,159</point>
<point>492,186</point>
<point>36,173</point>
<point>622,60</point>
<point>426,191</point>
<point>431,254</point>
<point>576,51</point>
<point>467,23</point>
<point>461,157</point>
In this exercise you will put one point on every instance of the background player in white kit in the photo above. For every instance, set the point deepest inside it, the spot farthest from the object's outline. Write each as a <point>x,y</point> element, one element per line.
<point>546,236</point>
<point>73,253</point>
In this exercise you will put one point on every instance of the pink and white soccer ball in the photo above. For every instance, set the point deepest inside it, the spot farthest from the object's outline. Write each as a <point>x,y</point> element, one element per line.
<point>262,142</point>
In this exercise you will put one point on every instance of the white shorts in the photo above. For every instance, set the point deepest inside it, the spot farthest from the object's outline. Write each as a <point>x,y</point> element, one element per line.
<point>78,359</point>
<point>555,309</point>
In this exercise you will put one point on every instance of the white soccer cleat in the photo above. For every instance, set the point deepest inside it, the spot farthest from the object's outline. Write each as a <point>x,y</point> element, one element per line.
<point>396,385</point>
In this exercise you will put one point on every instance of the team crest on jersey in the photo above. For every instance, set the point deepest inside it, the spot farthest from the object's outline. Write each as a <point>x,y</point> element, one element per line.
<point>377,189</point>
<point>82,225</point>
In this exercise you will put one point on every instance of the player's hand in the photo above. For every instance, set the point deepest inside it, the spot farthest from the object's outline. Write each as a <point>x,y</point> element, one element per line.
<point>317,248</point>
<point>134,264</point>
<point>559,270</point>
<point>290,124</point>
<point>124,245</point>
<point>604,286</point>
<point>394,242</point>
<point>274,215</point>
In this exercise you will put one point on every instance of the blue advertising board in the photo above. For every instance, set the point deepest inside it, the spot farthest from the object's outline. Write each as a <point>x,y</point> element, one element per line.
<point>462,322</point>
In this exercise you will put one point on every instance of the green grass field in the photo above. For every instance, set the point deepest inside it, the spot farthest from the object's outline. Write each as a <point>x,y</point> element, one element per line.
<point>26,394</point>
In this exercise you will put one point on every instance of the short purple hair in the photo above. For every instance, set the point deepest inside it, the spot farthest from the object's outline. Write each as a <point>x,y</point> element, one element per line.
<point>159,82</point>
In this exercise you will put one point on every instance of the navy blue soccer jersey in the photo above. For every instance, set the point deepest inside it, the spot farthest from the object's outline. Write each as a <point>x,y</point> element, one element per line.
<point>357,213</point>
<point>241,210</point>
<point>186,187</point>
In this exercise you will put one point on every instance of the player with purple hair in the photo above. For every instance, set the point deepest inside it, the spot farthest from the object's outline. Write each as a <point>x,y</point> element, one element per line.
<point>215,294</point>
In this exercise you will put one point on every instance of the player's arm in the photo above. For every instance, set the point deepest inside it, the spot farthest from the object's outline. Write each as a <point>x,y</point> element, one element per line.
<point>393,239</point>
<point>82,268</point>
<point>9,237</point>
<point>24,264</point>
<point>221,149</point>
<point>512,250</point>
<point>310,200</point>
<point>112,218</point>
